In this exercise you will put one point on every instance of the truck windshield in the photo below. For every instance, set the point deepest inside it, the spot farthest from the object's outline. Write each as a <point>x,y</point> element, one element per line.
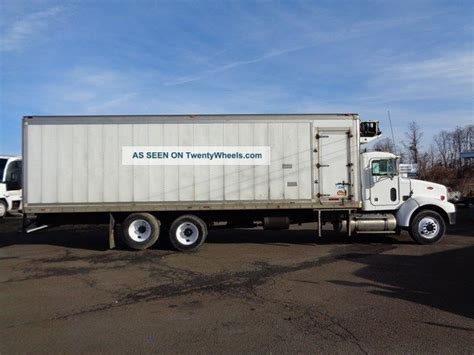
<point>3,163</point>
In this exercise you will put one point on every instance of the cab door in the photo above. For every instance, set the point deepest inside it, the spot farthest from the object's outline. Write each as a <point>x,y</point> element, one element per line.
<point>13,180</point>
<point>384,190</point>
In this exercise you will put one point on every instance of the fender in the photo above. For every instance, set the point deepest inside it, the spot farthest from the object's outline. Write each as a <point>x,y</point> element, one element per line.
<point>8,202</point>
<point>405,212</point>
<point>4,196</point>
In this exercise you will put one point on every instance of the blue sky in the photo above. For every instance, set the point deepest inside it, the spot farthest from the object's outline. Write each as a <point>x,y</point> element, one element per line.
<point>414,58</point>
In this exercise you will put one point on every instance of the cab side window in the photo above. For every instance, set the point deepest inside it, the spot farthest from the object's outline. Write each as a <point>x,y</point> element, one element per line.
<point>384,167</point>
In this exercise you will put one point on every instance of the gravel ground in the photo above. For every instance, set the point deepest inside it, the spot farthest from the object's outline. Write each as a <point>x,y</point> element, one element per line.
<point>245,291</point>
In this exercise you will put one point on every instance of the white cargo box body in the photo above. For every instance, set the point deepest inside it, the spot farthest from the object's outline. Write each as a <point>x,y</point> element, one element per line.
<point>74,163</point>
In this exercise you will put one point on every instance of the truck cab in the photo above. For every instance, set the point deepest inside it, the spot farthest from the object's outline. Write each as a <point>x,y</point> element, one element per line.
<point>421,207</point>
<point>10,184</point>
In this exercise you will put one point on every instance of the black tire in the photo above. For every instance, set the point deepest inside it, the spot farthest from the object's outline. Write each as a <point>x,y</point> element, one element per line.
<point>187,233</point>
<point>3,209</point>
<point>338,227</point>
<point>427,227</point>
<point>140,230</point>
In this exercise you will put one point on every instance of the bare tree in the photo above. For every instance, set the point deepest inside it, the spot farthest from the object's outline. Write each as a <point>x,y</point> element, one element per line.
<point>458,140</point>
<point>442,144</point>
<point>468,143</point>
<point>385,145</point>
<point>470,137</point>
<point>444,163</point>
<point>413,143</point>
<point>423,164</point>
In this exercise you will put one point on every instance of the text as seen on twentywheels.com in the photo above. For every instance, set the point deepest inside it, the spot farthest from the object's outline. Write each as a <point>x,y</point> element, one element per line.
<point>196,155</point>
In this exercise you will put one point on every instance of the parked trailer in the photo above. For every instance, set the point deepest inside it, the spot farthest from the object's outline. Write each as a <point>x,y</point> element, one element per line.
<point>182,175</point>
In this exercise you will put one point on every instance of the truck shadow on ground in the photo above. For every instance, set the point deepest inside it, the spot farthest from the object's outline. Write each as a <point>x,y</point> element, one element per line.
<point>86,238</point>
<point>95,237</point>
<point>289,237</point>
<point>441,280</point>
<point>465,222</point>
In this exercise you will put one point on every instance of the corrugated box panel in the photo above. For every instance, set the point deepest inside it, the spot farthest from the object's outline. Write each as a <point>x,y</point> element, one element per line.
<point>81,163</point>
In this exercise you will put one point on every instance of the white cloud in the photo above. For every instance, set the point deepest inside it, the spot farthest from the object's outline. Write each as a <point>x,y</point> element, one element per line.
<point>23,31</point>
<point>105,91</point>
<point>91,91</point>
<point>305,34</point>
<point>235,64</point>
<point>443,77</point>
<point>116,104</point>
<point>455,67</point>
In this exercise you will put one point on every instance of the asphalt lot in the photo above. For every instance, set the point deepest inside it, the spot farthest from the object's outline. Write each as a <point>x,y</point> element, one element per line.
<point>244,291</point>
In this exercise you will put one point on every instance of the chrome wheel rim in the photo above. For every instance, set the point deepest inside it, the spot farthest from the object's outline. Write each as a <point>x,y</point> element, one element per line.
<point>139,230</point>
<point>187,233</point>
<point>428,227</point>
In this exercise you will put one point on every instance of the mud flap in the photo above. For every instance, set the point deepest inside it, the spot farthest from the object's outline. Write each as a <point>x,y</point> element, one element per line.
<point>111,231</point>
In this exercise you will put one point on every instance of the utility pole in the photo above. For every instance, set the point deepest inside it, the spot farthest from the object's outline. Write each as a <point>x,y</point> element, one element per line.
<point>391,129</point>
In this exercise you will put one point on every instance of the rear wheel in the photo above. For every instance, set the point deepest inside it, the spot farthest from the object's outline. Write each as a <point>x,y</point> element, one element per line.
<point>140,230</point>
<point>427,227</point>
<point>188,233</point>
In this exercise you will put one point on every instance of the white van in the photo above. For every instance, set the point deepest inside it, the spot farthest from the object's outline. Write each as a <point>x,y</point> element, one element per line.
<point>10,184</point>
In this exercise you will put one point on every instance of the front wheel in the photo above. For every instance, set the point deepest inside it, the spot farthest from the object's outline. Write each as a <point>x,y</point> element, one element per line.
<point>3,209</point>
<point>188,233</point>
<point>427,227</point>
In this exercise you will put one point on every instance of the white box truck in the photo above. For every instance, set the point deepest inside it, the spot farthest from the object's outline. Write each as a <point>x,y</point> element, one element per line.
<point>10,184</point>
<point>179,176</point>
